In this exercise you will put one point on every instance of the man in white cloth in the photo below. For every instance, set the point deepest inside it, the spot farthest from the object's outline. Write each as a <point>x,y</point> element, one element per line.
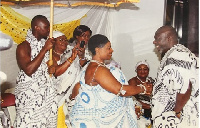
<point>35,92</point>
<point>175,94</point>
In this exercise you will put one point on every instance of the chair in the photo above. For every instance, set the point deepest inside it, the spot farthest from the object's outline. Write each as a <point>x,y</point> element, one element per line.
<point>8,108</point>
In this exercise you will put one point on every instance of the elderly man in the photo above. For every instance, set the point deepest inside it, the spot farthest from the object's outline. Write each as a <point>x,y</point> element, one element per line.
<point>35,92</point>
<point>176,91</point>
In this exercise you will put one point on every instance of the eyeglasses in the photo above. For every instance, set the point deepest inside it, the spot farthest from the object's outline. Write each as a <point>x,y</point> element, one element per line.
<point>63,40</point>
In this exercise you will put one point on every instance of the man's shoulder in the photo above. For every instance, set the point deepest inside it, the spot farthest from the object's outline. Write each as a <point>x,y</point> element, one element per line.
<point>182,52</point>
<point>180,49</point>
<point>24,45</point>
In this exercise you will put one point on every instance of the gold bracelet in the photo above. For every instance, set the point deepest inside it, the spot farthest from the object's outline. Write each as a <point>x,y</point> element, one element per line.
<point>177,113</point>
<point>70,60</point>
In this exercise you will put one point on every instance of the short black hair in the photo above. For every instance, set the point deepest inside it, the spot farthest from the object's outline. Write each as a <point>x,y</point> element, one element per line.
<point>35,20</point>
<point>97,41</point>
<point>79,30</point>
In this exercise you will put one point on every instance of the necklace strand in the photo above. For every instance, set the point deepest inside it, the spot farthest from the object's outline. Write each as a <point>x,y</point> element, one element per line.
<point>57,52</point>
<point>99,63</point>
<point>141,80</point>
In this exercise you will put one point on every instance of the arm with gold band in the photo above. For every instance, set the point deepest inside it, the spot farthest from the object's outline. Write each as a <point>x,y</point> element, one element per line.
<point>60,69</point>
<point>70,60</point>
<point>177,114</point>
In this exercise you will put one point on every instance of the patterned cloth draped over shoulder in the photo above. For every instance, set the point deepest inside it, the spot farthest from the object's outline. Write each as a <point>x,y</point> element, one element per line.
<point>178,67</point>
<point>96,107</point>
<point>36,103</point>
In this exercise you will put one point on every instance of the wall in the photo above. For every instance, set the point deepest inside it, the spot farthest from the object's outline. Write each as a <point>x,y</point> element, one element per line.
<point>130,29</point>
<point>9,66</point>
<point>133,35</point>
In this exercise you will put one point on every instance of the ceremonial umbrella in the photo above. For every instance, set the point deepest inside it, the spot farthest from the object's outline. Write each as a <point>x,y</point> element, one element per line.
<point>66,3</point>
<point>69,3</point>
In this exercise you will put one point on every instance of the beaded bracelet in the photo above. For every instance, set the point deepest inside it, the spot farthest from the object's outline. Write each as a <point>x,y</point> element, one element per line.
<point>121,91</point>
<point>142,86</point>
<point>70,60</point>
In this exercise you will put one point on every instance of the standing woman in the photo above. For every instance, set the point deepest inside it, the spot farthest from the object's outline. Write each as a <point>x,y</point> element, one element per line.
<point>69,76</point>
<point>81,33</point>
<point>59,69</point>
<point>103,99</point>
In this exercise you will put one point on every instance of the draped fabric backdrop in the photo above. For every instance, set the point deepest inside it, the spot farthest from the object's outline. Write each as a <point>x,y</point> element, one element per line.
<point>130,28</point>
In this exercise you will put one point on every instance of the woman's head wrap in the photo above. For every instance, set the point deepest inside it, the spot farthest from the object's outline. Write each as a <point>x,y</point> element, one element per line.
<point>57,34</point>
<point>141,62</point>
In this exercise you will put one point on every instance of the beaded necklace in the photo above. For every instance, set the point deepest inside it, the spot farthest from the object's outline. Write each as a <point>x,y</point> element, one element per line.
<point>141,80</point>
<point>99,63</point>
<point>57,52</point>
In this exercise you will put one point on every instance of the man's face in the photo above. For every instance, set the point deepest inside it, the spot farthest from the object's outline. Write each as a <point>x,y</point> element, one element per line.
<point>44,28</point>
<point>161,42</point>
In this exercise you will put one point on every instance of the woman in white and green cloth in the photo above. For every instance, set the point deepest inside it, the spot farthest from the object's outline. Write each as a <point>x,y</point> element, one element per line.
<point>71,62</point>
<point>103,97</point>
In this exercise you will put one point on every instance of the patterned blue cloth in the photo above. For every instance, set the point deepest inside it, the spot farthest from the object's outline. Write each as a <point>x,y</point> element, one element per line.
<point>96,107</point>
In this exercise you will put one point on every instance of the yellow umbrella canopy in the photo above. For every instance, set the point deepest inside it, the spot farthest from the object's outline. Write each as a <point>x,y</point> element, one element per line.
<point>16,25</point>
<point>18,33</point>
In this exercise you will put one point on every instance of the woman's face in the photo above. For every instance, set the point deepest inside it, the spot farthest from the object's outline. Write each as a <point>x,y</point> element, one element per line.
<point>85,36</point>
<point>142,71</point>
<point>106,51</point>
<point>61,44</point>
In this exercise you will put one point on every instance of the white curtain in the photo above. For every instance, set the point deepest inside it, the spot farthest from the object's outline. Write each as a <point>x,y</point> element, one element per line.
<point>97,17</point>
<point>130,28</point>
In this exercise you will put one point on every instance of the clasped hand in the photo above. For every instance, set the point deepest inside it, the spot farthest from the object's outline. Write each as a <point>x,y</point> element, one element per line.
<point>51,67</point>
<point>80,51</point>
<point>149,88</point>
<point>49,43</point>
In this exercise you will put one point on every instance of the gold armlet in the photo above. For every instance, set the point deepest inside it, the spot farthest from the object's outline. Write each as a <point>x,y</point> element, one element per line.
<point>70,60</point>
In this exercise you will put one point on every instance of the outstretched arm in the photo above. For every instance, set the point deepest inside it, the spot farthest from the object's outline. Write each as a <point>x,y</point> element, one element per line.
<point>60,69</point>
<point>105,78</point>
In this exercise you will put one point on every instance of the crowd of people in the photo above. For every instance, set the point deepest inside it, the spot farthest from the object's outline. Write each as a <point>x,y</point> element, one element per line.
<point>90,93</point>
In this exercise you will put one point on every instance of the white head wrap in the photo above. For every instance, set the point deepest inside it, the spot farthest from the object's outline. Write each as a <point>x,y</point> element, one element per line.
<point>141,62</point>
<point>57,34</point>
